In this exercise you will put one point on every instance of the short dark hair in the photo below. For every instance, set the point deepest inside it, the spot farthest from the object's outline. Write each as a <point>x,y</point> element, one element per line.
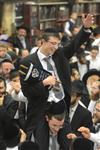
<point>46,35</point>
<point>57,116</point>
<point>13,74</point>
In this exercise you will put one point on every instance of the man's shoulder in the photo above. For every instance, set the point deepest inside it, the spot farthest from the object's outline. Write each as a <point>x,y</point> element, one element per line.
<point>28,58</point>
<point>83,110</point>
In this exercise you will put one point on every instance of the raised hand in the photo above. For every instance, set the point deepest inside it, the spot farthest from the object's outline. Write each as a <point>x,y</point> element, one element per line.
<point>88,20</point>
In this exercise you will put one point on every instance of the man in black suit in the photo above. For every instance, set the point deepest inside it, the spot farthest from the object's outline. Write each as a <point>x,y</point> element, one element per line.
<point>20,40</point>
<point>79,114</point>
<point>8,108</point>
<point>48,133</point>
<point>36,86</point>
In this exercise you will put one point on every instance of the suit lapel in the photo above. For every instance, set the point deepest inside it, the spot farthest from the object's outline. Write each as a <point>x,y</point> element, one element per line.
<point>75,118</point>
<point>36,60</point>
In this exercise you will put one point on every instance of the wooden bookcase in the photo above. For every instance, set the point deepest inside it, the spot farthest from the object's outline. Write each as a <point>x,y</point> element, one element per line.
<point>88,6</point>
<point>55,12</point>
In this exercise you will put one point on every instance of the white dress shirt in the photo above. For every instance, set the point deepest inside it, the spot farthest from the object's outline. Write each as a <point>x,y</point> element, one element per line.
<point>95,137</point>
<point>82,69</point>
<point>91,106</point>
<point>72,111</point>
<point>53,143</point>
<point>95,63</point>
<point>14,148</point>
<point>44,64</point>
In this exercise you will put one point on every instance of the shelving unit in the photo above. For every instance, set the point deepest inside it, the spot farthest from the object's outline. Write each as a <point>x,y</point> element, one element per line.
<point>47,14</point>
<point>88,6</point>
<point>52,13</point>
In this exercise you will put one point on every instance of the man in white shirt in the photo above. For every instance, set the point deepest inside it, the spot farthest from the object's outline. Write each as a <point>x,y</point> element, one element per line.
<point>95,137</point>
<point>94,60</point>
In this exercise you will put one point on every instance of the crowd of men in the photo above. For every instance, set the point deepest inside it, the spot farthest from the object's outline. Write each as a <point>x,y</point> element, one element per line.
<point>50,90</point>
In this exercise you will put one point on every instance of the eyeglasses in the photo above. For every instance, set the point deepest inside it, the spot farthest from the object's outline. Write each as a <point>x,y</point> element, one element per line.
<point>96,109</point>
<point>58,126</point>
<point>54,43</point>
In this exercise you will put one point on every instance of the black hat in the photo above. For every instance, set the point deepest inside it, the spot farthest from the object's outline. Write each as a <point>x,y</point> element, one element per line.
<point>96,30</point>
<point>28,145</point>
<point>57,108</point>
<point>11,134</point>
<point>91,72</point>
<point>23,27</point>
<point>77,86</point>
<point>80,143</point>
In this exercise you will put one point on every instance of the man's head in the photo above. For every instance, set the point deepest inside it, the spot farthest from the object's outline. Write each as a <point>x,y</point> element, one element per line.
<point>5,67</point>
<point>55,116</point>
<point>94,52</point>
<point>74,16</point>
<point>77,89</point>
<point>95,90</point>
<point>3,50</point>
<point>96,112</point>
<point>50,44</point>
<point>82,57</point>
<point>22,31</point>
<point>15,80</point>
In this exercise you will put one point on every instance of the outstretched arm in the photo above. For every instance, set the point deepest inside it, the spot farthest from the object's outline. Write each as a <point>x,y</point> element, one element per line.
<point>72,47</point>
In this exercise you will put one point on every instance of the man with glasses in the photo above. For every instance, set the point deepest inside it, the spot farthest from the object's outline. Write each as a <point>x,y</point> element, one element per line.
<point>39,83</point>
<point>94,137</point>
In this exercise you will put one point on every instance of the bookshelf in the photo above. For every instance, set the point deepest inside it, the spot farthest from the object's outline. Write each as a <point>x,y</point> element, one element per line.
<point>44,14</point>
<point>54,13</point>
<point>88,6</point>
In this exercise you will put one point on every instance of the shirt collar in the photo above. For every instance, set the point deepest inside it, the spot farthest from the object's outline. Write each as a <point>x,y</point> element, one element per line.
<point>74,108</point>
<point>40,55</point>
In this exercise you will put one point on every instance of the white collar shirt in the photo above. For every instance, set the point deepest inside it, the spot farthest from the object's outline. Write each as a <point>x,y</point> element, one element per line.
<point>44,65</point>
<point>82,69</point>
<point>14,148</point>
<point>72,111</point>
<point>95,137</point>
<point>91,106</point>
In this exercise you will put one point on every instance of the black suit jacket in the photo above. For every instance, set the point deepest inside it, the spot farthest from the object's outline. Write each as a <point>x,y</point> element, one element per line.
<point>36,93</point>
<point>42,136</point>
<point>82,117</point>
<point>17,44</point>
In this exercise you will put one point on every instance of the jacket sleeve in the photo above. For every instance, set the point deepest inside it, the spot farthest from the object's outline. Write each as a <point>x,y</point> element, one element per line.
<point>73,46</point>
<point>95,137</point>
